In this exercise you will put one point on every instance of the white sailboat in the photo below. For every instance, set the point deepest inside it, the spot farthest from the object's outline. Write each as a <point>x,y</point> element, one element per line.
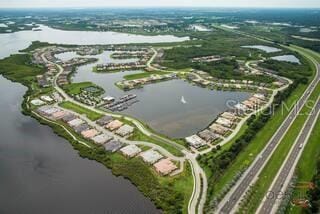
<point>183,100</point>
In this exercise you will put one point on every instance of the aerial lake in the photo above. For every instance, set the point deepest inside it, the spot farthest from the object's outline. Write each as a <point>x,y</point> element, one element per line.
<point>264,48</point>
<point>160,104</point>
<point>13,42</point>
<point>287,58</point>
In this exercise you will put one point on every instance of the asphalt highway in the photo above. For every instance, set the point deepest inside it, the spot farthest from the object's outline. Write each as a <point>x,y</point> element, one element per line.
<point>229,203</point>
<point>284,175</point>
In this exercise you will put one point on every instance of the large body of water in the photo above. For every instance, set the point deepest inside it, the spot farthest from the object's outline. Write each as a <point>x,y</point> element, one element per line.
<point>41,172</point>
<point>160,104</point>
<point>264,48</point>
<point>287,58</point>
<point>13,42</point>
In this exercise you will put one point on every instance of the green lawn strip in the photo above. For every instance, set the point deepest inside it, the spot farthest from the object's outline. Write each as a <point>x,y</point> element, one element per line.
<point>144,74</point>
<point>306,167</point>
<point>172,193</point>
<point>247,156</point>
<point>139,136</point>
<point>81,110</point>
<point>278,157</point>
<point>76,88</point>
<point>182,183</point>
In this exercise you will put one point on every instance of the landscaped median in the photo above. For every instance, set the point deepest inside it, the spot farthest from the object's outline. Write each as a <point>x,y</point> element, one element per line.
<point>306,168</point>
<point>269,172</point>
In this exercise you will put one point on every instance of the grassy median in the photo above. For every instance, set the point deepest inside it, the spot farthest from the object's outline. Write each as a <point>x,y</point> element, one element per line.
<point>269,172</point>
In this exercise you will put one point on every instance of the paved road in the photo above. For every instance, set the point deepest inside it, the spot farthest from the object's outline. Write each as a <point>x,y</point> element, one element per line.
<point>199,177</point>
<point>271,203</point>
<point>230,202</point>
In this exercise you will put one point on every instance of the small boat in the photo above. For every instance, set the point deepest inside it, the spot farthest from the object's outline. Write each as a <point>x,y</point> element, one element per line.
<point>183,100</point>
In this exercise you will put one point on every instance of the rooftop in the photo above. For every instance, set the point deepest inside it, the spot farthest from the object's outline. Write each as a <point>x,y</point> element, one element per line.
<point>113,125</point>
<point>113,146</point>
<point>151,156</point>
<point>130,150</point>
<point>89,133</point>
<point>125,130</point>
<point>165,166</point>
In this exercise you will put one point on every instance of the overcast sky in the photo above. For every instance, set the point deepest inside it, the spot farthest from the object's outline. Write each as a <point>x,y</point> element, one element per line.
<point>161,3</point>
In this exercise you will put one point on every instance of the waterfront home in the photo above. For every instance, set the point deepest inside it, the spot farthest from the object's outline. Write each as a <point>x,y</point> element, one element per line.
<point>125,130</point>
<point>130,150</point>
<point>50,111</point>
<point>151,156</point>
<point>42,81</point>
<point>102,139</point>
<point>255,100</point>
<point>260,96</point>
<point>195,141</point>
<point>224,122</point>
<point>68,117</point>
<point>249,104</point>
<point>208,135</point>
<point>80,128</point>
<point>75,122</point>
<point>229,116</point>
<point>241,107</point>
<point>46,98</point>
<point>89,133</point>
<point>37,102</point>
<point>218,129</point>
<point>59,114</point>
<point>104,120</point>
<point>113,145</point>
<point>113,125</point>
<point>165,166</point>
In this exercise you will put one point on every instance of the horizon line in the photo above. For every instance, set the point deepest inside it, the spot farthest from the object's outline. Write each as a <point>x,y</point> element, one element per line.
<point>154,7</point>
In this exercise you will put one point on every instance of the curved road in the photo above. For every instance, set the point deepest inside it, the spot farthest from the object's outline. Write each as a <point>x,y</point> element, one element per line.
<point>199,177</point>
<point>230,202</point>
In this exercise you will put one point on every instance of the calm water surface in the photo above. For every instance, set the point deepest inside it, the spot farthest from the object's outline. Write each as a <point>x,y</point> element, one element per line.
<point>160,104</point>
<point>287,58</point>
<point>39,171</point>
<point>267,49</point>
<point>13,42</point>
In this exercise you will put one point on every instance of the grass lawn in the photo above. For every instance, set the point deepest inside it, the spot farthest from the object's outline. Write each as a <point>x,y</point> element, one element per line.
<point>278,157</point>
<point>306,167</point>
<point>138,136</point>
<point>182,183</point>
<point>76,88</point>
<point>81,110</point>
<point>166,190</point>
<point>143,75</point>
